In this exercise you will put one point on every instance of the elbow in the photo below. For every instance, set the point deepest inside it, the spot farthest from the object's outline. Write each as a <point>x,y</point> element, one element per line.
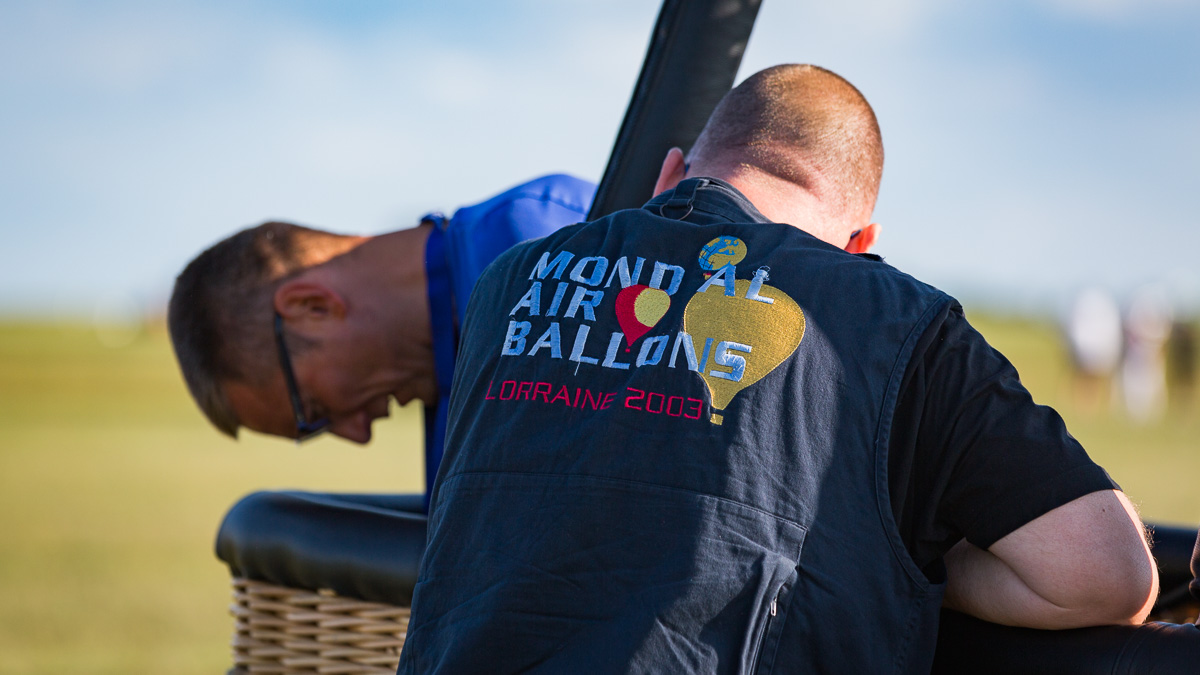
<point>1134,588</point>
<point>1124,595</point>
<point>1124,576</point>
<point>1113,585</point>
<point>1137,594</point>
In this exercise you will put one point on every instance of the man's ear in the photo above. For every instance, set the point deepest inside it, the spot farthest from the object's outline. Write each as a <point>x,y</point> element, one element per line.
<point>673,170</point>
<point>862,240</point>
<point>302,300</point>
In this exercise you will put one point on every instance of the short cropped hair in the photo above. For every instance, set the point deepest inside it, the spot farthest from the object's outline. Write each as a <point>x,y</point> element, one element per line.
<point>792,120</point>
<point>220,312</point>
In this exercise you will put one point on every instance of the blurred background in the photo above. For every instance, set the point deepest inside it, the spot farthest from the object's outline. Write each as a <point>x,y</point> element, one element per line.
<point>1042,162</point>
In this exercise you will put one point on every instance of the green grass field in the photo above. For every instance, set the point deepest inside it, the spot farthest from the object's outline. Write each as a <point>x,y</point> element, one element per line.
<point>112,486</point>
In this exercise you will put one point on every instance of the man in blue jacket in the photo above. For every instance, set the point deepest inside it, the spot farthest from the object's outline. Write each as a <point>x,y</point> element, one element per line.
<point>293,331</point>
<point>715,435</point>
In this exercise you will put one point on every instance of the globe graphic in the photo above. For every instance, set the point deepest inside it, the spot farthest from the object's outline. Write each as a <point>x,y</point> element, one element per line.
<point>722,251</point>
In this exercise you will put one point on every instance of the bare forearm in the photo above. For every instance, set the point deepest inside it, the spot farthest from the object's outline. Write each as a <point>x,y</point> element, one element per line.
<point>981,584</point>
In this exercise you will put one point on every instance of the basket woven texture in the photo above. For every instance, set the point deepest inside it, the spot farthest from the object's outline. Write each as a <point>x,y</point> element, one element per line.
<point>291,630</point>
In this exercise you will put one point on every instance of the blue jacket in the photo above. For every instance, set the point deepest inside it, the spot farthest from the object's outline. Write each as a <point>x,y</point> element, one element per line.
<point>668,453</point>
<point>456,254</point>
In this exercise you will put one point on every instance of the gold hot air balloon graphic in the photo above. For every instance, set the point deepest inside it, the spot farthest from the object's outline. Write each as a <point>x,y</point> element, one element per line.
<point>749,333</point>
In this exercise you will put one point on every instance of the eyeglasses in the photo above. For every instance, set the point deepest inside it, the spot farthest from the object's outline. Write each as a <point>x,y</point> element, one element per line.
<point>304,429</point>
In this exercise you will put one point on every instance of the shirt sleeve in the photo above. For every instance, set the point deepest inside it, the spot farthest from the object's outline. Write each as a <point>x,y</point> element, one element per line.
<point>971,455</point>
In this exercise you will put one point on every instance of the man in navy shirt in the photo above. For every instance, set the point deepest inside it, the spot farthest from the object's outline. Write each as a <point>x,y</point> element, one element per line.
<point>713,434</point>
<point>293,331</point>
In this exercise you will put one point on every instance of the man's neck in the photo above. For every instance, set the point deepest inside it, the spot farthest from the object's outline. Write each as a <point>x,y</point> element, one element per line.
<point>781,200</point>
<point>395,261</point>
<point>391,267</point>
<point>387,280</point>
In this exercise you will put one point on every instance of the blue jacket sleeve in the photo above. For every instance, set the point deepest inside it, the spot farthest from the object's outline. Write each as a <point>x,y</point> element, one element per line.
<point>478,233</point>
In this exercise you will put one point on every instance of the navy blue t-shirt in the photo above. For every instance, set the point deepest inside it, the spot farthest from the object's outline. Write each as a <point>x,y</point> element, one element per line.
<point>971,455</point>
<point>599,497</point>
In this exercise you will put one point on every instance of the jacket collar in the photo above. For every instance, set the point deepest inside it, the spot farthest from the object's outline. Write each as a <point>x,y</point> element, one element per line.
<point>710,196</point>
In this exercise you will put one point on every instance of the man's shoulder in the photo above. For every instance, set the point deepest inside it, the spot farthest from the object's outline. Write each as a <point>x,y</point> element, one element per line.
<point>479,233</point>
<point>871,265</point>
<point>563,189</point>
<point>537,246</point>
<point>567,196</point>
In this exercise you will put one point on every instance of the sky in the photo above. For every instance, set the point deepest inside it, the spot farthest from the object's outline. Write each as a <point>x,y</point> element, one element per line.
<point>1032,147</point>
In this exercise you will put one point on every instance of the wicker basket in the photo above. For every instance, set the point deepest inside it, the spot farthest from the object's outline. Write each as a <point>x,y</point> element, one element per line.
<point>290,630</point>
